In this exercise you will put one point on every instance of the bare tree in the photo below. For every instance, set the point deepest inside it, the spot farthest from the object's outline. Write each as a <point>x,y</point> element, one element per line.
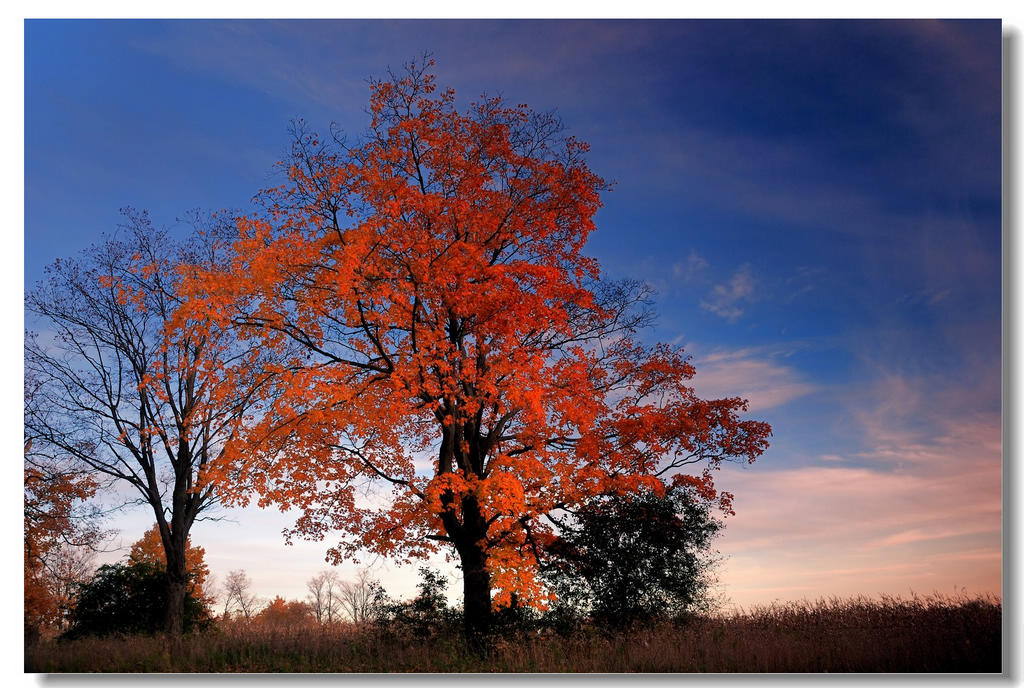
<point>210,589</point>
<point>238,595</point>
<point>135,390</point>
<point>324,589</point>
<point>69,566</point>
<point>356,596</point>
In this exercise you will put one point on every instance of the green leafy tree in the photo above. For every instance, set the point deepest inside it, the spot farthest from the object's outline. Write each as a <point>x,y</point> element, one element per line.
<point>426,614</point>
<point>129,598</point>
<point>633,558</point>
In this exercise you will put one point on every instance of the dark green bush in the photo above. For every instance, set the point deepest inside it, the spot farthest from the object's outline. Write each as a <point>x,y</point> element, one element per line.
<point>128,598</point>
<point>425,615</point>
<point>632,559</point>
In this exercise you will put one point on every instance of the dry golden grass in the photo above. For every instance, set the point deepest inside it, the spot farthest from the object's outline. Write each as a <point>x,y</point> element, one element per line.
<point>922,634</point>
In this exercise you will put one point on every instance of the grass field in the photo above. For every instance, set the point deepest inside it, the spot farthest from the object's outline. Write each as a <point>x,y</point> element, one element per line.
<point>932,634</point>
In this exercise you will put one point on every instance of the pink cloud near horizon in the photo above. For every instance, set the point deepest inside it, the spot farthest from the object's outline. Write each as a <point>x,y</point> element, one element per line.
<point>918,509</point>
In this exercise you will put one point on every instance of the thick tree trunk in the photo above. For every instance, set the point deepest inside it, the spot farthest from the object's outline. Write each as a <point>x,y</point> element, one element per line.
<point>476,594</point>
<point>468,536</point>
<point>476,579</point>
<point>175,537</point>
<point>176,588</point>
<point>177,582</point>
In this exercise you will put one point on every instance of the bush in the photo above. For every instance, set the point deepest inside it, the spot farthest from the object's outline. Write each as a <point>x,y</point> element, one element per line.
<point>517,618</point>
<point>630,559</point>
<point>425,615</point>
<point>129,598</point>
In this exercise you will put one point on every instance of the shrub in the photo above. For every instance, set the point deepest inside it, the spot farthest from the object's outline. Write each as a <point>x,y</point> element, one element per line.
<point>425,615</point>
<point>129,598</point>
<point>629,559</point>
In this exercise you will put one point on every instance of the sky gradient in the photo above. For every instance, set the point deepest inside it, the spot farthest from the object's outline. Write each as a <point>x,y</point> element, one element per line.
<point>817,204</point>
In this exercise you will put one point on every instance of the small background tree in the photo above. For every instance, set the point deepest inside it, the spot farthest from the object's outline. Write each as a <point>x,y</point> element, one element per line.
<point>425,615</point>
<point>624,559</point>
<point>61,528</point>
<point>149,549</point>
<point>285,615</point>
<point>238,596</point>
<point>357,596</point>
<point>324,597</point>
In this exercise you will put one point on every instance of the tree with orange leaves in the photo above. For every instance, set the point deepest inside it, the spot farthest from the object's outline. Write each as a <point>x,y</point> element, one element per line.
<point>57,528</point>
<point>133,395</point>
<point>455,344</point>
<point>150,549</point>
<point>284,614</point>
<point>61,530</point>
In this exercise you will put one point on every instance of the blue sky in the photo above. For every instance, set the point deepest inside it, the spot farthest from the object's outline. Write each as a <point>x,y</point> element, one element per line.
<point>817,203</point>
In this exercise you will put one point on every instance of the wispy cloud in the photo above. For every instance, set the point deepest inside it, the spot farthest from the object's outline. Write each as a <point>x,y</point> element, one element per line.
<point>690,268</point>
<point>805,280</point>
<point>726,300</point>
<point>263,56</point>
<point>918,507</point>
<point>751,374</point>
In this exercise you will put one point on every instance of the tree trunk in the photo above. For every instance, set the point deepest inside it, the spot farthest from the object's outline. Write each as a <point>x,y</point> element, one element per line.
<point>177,584</point>
<point>32,632</point>
<point>175,619</point>
<point>468,537</point>
<point>476,594</point>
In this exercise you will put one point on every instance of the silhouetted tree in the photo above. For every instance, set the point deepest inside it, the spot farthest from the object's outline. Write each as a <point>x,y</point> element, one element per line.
<point>425,615</point>
<point>129,598</point>
<point>62,529</point>
<point>132,392</point>
<point>633,558</point>
<point>356,596</point>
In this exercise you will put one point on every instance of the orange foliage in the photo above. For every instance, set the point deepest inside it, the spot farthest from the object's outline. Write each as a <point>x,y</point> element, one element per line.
<point>282,614</point>
<point>442,332</point>
<point>150,549</point>
<point>53,494</point>
<point>137,399</point>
